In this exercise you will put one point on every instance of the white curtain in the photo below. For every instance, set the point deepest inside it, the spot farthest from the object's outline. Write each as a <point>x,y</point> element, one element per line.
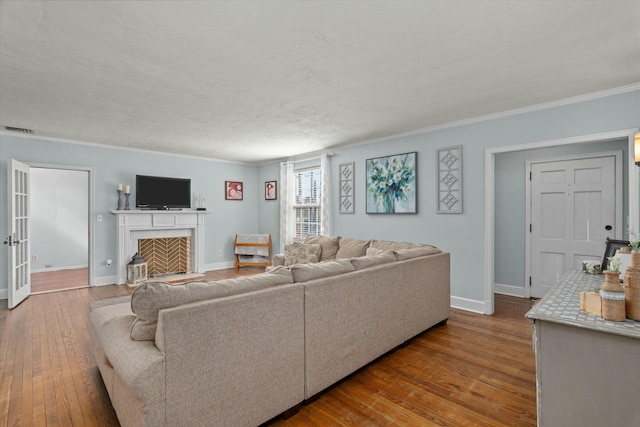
<point>287,198</point>
<point>325,195</point>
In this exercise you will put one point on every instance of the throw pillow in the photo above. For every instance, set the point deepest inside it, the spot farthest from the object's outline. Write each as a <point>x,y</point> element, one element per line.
<point>374,251</point>
<point>329,246</point>
<point>301,253</point>
<point>350,248</point>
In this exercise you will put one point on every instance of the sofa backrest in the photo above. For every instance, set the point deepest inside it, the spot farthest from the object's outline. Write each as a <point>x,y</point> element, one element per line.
<point>306,272</point>
<point>151,297</point>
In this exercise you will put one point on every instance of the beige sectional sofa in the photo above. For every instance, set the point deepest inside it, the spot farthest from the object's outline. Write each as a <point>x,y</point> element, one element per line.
<point>241,351</point>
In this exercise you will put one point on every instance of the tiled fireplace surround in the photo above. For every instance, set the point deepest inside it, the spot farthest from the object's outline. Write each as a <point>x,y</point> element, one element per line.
<point>142,224</point>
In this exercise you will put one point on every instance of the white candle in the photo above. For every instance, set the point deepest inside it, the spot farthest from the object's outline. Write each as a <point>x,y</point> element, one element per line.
<point>127,190</point>
<point>119,187</point>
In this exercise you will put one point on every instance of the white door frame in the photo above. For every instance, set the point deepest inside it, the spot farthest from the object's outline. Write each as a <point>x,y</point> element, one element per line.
<point>91,207</point>
<point>18,204</point>
<point>618,155</point>
<point>489,193</point>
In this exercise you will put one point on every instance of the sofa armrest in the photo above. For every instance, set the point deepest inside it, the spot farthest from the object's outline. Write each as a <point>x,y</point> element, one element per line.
<point>139,364</point>
<point>236,360</point>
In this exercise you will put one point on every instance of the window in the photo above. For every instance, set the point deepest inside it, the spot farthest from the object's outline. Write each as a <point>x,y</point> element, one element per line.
<point>307,202</point>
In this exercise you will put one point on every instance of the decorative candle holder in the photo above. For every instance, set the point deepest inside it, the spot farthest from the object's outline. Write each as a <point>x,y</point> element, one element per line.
<point>119,200</point>
<point>126,203</point>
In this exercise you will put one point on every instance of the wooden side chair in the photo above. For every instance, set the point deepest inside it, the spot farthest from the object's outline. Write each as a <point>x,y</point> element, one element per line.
<point>252,250</point>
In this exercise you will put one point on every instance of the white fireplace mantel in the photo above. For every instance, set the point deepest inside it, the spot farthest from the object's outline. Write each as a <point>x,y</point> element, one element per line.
<point>144,224</point>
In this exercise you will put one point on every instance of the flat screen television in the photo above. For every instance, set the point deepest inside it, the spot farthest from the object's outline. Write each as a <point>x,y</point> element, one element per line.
<point>157,192</point>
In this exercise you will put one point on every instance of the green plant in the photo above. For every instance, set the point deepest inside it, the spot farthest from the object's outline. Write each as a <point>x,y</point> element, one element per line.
<point>614,263</point>
<point>634,241</point>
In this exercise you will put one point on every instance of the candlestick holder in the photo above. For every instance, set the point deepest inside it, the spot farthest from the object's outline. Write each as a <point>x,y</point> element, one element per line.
<point>126,203</point>
<point>119,200</point>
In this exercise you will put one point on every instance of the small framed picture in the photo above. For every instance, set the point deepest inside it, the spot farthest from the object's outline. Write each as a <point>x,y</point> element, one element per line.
<point>271,190</point>
<point>611,249</point>
<point>233,190</point>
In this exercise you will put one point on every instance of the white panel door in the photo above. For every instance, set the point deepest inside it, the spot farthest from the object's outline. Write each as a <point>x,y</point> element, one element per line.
<point>573,211</point>
<point>18,239</point>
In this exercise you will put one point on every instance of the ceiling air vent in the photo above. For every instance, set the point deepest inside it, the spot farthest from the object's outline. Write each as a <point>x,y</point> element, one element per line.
<point>23,130</point>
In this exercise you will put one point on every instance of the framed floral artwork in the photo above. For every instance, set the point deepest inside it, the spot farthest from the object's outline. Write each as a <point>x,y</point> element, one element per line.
<point>271,190</point>
<point>233,190</point>
<point>392,184</point>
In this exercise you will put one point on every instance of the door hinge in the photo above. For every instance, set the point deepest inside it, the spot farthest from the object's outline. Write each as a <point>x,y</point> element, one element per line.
<point>530,228</point>
<point>530,176</point>
<point>529,281</point>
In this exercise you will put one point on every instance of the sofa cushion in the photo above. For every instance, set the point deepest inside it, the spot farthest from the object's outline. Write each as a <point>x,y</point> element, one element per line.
<point>403,254</point>
<point>391,246</point>
<point>329,246</point>
<point>369,261</point>
<point>301,253</point>
<point>149,298</point>
<point>350,248</point>
<point>306,272</point>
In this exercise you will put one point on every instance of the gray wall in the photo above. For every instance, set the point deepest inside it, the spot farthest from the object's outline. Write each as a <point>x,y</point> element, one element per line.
<point>112,166</point>
<point>269,210</point>
<point>59,230</point>
<point>510,183</point>
<point>462,235</point>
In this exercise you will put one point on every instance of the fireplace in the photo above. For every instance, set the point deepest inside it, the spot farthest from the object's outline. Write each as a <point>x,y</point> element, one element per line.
<point>166,255</point>
<point>184,226</point>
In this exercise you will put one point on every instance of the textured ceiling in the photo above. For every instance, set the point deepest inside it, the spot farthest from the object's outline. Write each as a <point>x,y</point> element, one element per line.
<point>254,81</point>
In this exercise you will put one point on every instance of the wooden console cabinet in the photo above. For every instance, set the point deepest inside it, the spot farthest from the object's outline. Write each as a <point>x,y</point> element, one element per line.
<point>587,369</point>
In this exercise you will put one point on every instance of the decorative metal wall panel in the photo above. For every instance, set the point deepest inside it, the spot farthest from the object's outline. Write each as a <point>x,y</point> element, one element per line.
<point>346,188</point>
<point>449,191</point>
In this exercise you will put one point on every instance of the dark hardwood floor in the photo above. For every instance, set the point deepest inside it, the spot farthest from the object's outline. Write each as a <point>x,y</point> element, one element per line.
<point>474,371</point>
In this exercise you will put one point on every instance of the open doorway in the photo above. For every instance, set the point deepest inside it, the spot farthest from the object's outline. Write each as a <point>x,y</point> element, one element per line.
<point>631,187</point>
<point>59,234</point>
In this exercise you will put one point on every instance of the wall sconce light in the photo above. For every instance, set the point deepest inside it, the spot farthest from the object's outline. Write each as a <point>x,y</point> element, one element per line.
<point>637,148</point>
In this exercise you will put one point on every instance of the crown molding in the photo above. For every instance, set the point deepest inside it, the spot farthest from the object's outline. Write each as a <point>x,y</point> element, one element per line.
<point>116,147</point>
<point>507,113</point>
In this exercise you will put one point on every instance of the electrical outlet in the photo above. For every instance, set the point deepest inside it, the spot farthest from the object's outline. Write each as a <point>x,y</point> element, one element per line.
<point>220,252</point>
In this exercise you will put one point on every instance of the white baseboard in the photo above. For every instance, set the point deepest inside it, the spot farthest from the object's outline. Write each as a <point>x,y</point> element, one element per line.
<point>4,293</point>
<point>68,267</point>
<point>218,266</point>
<point>468,304</point>
<point>104,280</point>
<point>511,290</point>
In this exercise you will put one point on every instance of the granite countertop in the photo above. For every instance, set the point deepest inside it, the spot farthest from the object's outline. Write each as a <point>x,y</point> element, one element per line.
<point>562,305</point>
